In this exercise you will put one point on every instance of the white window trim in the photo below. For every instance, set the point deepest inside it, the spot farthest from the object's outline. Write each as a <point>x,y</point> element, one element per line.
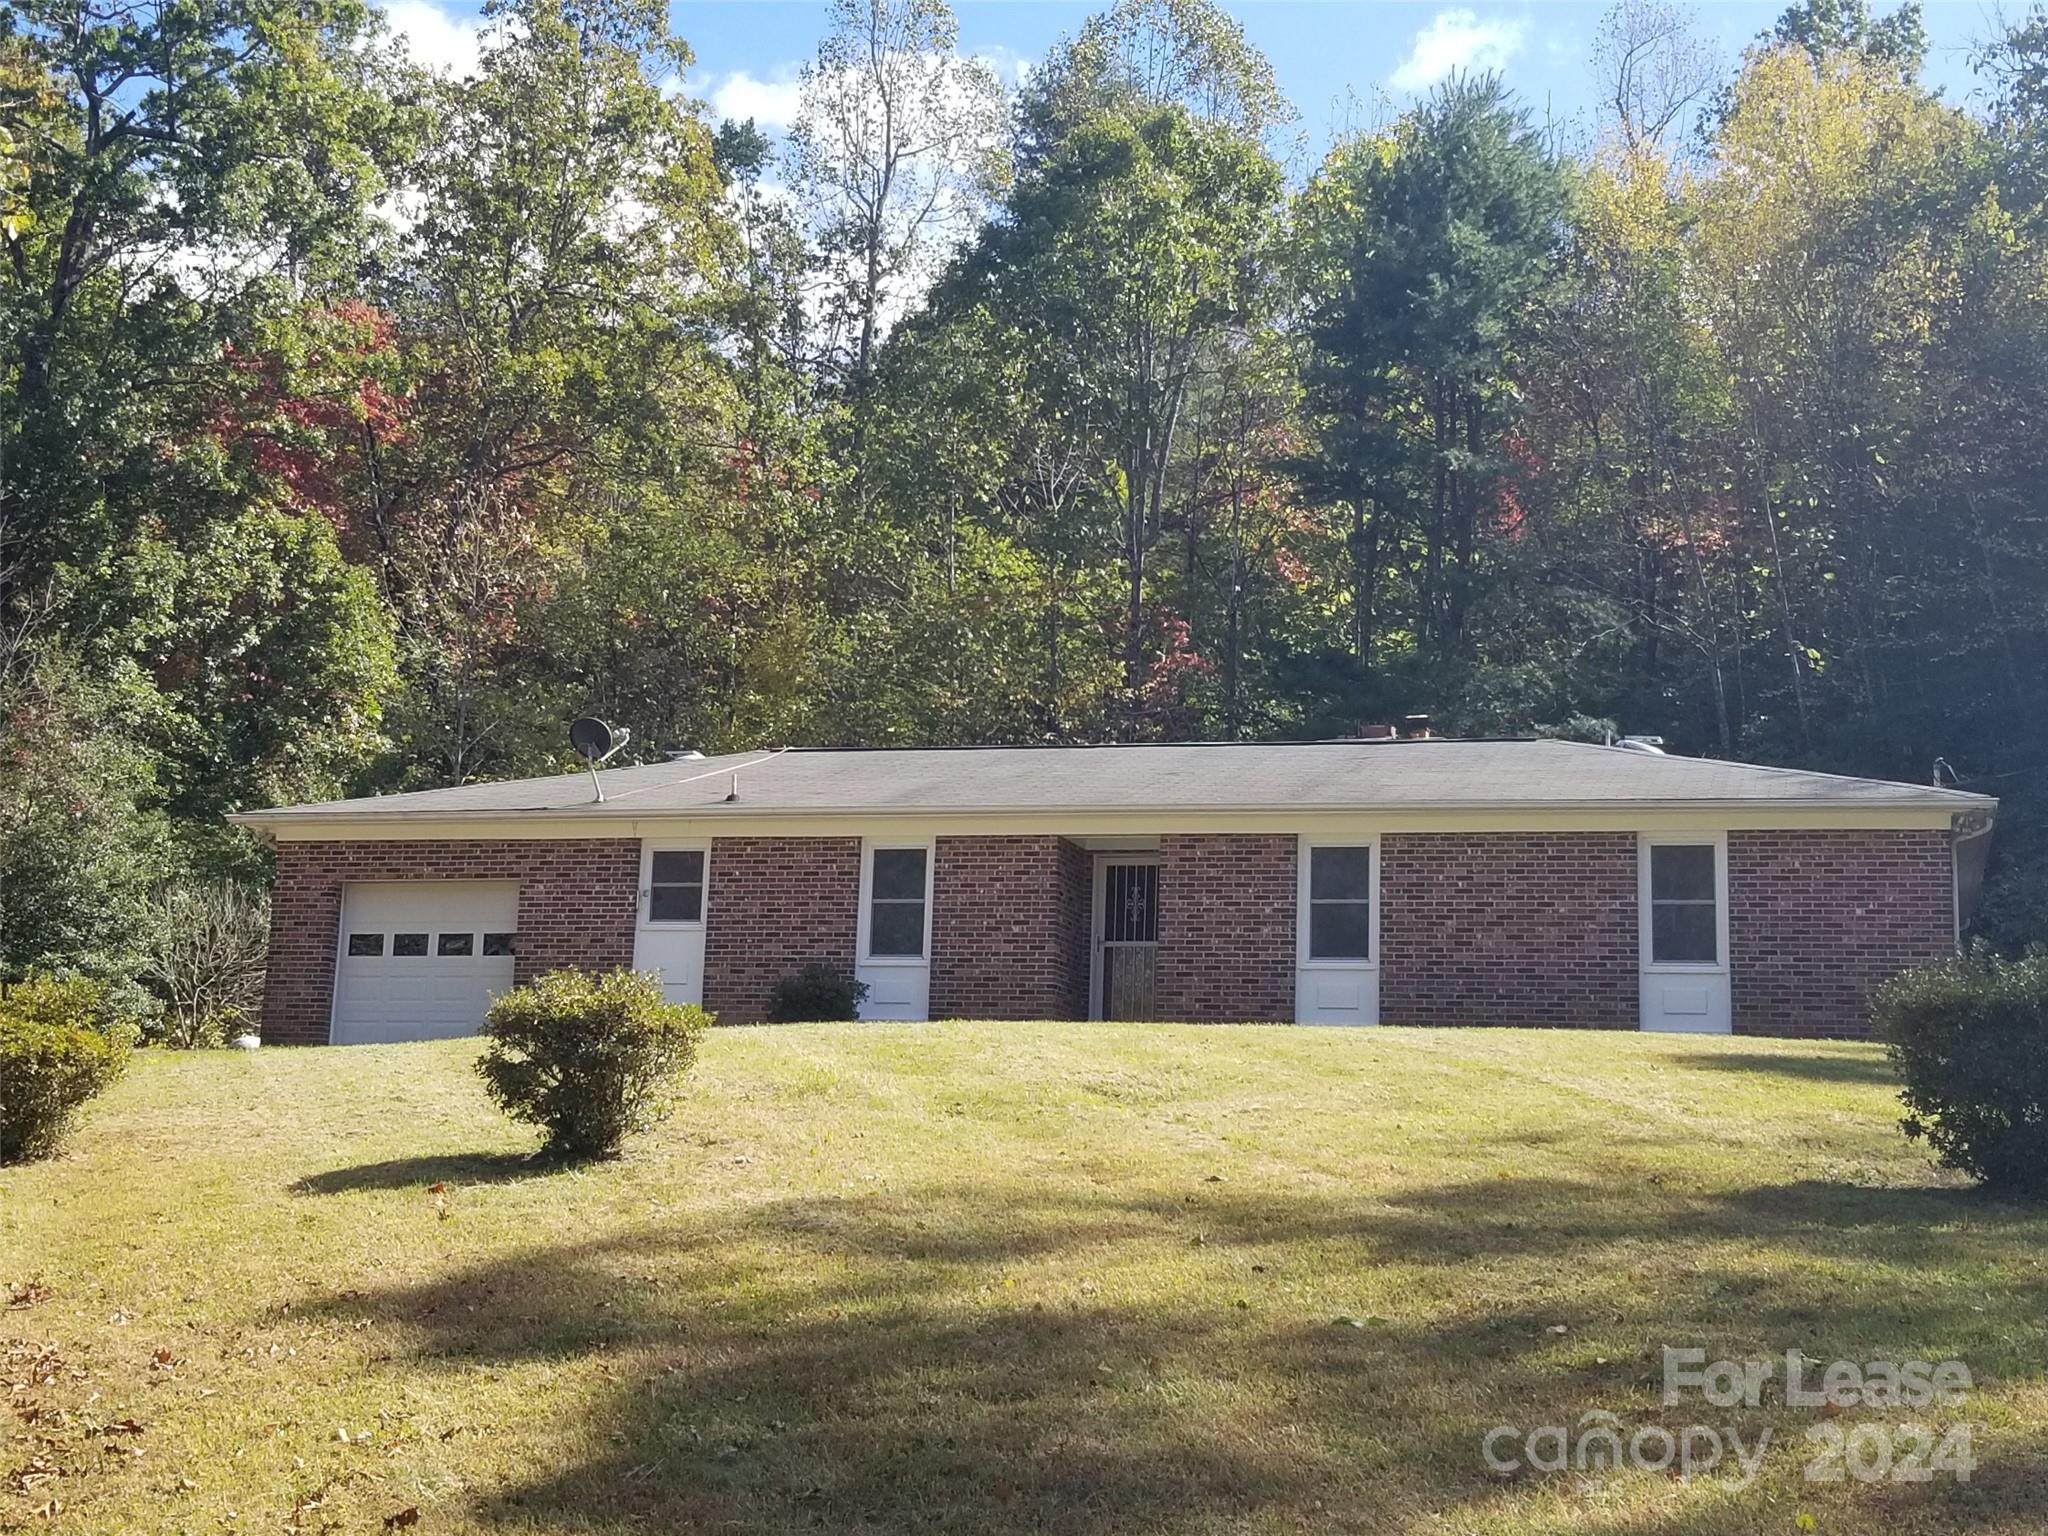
<point>1645,841</point>
<point>1371,843</point>
<point>868,848</point>
<point>648,850</point>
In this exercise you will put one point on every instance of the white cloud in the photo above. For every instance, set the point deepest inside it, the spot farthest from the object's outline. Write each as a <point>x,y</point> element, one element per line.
<point>1013,69</point>
<point>770,103</point>
<point>444,43</point>
<point>1458,40</point>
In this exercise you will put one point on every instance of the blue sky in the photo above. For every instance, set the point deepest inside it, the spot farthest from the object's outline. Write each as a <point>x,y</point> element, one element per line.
<point>1337,60</point>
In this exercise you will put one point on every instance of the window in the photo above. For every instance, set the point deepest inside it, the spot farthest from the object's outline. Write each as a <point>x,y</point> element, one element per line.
<point>1685,925</point>
<point>365,945</point>
<point>497,943</point>
<point>675,891</point>
<point>456,944</point>
<point>1340,903</point>
<point>409,945</point>
<point>896,902</point>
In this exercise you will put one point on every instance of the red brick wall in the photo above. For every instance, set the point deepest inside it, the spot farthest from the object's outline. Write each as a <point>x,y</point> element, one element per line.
<point>775,905</point>
<point>577,907</point>
<point>1226,927</point>
<point>1010,928</point>
<point>1816,919</point>
<point>1076,924</point>
<point>1509,928</point>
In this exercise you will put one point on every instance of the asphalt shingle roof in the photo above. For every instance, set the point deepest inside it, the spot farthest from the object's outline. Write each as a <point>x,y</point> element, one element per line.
<point>1338,775</point>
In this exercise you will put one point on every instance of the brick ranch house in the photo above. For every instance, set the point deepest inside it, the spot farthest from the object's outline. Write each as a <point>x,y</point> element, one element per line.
<point>1412,881</point>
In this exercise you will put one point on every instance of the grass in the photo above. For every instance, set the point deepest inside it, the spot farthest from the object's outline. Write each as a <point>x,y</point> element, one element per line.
<point>995,1278</point>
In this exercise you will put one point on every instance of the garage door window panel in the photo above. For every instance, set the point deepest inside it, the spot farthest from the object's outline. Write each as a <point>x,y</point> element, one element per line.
<point>408,946</point>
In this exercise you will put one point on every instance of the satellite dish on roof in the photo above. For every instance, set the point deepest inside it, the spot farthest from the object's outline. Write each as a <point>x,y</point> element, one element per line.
<point>591,738</point>
<point>595,742</point>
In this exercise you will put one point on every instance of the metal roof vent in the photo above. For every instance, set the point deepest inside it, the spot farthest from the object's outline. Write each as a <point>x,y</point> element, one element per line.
<point>683,755</point>
<point>1654,745</point>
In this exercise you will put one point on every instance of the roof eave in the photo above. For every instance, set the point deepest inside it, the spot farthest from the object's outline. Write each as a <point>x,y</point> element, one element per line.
<point>1958,800</point>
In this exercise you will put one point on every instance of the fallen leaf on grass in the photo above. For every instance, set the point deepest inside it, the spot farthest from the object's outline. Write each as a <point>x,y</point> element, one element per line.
<point>27,1294</point>
<point>410,1515</point>
<point>37,1471</point>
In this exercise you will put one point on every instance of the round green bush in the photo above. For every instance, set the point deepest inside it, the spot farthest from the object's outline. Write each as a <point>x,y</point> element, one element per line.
<point>1969,1038</point>
<point>55,1053</point>
<point>816,993</point>
<point>588,1058</point>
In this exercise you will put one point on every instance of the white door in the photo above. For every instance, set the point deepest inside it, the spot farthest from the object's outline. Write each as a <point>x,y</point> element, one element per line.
<point>421,959</point>
<point>896,931</point>
<point>670,939</point>
<point>1337,973</point>
<point>1682,891</point>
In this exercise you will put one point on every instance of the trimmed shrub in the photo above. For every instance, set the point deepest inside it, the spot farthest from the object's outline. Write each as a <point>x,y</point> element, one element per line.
<point>817,993</point>
<point>588,1058</point>
<point>56,1052</point>
<point>1969,1038</point>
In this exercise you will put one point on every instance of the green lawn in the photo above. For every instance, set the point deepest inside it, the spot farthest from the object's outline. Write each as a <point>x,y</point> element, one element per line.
<point>994,1278</point>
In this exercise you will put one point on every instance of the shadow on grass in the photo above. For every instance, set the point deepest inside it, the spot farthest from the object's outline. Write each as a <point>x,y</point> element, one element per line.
<point>1814,1069</point>
<point>419,1172</point>
<point>1027,1358</point>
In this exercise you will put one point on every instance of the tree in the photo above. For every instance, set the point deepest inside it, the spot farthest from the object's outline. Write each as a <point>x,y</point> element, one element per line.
<point>1147,54</point>
<point>1424,252</point>
<point>1652,68</point>
<point>1126,255</point>
<point>1825,28</point>
<point>554,301</point>
<point>897,143</point>
<point>184,180</point>
<point>1818,256</point>
<point>81,833</point>
<point>207,948</point>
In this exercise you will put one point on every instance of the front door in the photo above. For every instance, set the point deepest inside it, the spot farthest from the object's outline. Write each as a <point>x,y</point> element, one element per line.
<point>1126,937</point>
<point>669,941</point>
<point>1683,891</point>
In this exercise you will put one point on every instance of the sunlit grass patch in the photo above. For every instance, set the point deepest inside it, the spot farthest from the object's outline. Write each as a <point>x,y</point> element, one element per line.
<point>998,1277</point>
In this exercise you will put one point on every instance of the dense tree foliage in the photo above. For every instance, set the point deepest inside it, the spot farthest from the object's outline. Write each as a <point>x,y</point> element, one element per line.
<point>358,426</point>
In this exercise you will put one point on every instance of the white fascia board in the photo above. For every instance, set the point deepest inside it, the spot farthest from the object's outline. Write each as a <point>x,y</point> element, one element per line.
<point>599,822</point>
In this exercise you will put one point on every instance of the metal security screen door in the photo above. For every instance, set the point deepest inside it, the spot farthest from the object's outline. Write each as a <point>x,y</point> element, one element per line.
<point>1127,938</point>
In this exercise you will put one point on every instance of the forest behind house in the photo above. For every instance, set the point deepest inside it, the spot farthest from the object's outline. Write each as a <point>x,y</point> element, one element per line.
<point>360,426</point>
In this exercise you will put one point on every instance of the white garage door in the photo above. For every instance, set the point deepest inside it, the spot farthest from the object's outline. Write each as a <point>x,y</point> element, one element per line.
<point>421,960</point>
